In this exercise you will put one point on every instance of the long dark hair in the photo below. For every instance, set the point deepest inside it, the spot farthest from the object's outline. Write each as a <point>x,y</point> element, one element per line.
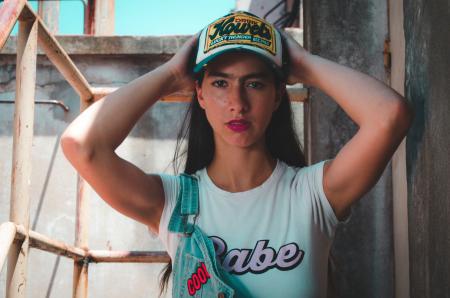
<point>281,141</point>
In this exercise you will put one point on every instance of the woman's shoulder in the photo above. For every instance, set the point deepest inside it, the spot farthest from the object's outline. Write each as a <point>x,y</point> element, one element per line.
<point>302,170</point>
<point>304,178</point>
<point>282,167</point>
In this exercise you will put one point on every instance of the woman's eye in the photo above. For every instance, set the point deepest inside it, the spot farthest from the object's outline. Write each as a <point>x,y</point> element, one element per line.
<point>219,83</point>
<point>256,85</point>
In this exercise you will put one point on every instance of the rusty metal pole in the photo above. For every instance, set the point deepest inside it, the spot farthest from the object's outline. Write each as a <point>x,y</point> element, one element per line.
<point>22,142</point>
<point>80,269</point>
<point>99,17</point>
<point>104,17</point>
<point>49,12</point>
<point>9,12</point>
<point>89,14</point>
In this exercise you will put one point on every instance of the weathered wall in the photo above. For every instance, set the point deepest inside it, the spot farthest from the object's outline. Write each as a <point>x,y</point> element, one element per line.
<point>427,36</point>
<point>104,61</point>
<point>262,7</point>
<point>352,33</point>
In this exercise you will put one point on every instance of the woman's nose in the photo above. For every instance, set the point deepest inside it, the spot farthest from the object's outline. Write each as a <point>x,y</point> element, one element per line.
<point>237,100</point>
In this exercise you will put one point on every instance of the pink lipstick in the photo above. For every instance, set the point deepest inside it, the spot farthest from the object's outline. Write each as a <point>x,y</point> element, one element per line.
<point>238,125</point>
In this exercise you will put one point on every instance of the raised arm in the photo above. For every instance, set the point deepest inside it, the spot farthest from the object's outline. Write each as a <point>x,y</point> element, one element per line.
<point>90,141</point>
<point>383,117</point>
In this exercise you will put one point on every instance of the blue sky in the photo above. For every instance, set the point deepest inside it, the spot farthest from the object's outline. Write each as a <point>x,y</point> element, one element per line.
<point>147,17</point>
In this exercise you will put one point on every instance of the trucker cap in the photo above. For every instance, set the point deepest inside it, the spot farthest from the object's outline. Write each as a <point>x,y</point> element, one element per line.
<point>239,31</point>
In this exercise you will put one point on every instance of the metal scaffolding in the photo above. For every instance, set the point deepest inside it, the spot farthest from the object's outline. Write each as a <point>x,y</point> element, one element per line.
<point>15,236</point>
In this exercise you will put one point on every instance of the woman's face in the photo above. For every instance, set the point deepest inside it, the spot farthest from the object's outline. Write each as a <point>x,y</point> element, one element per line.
<point>239,95</point>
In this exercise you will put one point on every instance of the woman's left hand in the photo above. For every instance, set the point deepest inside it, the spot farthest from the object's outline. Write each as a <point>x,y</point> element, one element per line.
<point>298,57</point>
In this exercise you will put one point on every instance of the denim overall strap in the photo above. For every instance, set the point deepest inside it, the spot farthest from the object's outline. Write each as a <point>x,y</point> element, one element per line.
<point>186,205</point>
<point>207,247</point>
<point>195,249</point>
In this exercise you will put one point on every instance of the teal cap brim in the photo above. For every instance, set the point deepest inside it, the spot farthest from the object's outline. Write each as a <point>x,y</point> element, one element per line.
<point>199,66</point>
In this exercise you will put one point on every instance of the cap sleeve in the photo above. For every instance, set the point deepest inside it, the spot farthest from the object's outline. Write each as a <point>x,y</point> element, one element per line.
<point>171,188</point>
<point>309,186</point>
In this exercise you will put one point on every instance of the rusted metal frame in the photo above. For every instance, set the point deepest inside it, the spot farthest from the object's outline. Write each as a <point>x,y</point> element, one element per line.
<point>296,94</point>
<point>89,17</point>
<point>104,17</point>
<point>60,59</point>
<point>80,279</point>
<point>80,269</point>
<point>80,273</point>
<point>9,13</point>
<point>10,232</point>
<point>7,235</point>
<point>42,101</point>
<point>47,244</point>
<point>49,13</point>
<point>107,256</point>
<point>22,143</point>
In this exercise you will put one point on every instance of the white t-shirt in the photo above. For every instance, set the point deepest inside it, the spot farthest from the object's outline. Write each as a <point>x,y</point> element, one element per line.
<point>274,239</point>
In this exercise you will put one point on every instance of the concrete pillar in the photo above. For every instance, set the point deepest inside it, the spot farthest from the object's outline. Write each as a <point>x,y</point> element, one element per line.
<point>428,145</point>
<point>351,33</point>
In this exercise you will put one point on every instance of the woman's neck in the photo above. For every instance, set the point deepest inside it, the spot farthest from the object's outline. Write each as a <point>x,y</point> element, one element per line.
<point>238,169</point>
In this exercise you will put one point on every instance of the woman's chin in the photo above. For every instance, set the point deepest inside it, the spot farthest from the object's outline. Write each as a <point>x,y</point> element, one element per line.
<point>244,143</point>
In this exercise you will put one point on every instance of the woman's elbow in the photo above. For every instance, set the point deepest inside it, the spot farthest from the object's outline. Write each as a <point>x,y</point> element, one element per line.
<point>74,150</point>
<point>399,117</point>
<point>394,119</point>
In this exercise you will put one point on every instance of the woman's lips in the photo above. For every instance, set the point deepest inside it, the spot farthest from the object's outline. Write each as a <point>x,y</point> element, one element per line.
<point>238,125</point>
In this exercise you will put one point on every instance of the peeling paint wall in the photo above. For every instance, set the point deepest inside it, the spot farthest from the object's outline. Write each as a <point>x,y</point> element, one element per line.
<point>105,62</point>
<point>352,33</point>
<point>427,87</point>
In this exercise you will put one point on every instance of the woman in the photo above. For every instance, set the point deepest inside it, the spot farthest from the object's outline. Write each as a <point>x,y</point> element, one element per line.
<point>270,218</point>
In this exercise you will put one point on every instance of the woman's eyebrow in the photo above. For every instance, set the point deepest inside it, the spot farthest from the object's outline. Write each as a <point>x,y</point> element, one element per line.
<point>219,74</point>
<point>254,75</point>
<point>257,75</point>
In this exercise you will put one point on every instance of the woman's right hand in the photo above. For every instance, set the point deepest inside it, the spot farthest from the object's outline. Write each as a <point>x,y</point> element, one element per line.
<point>180,67</point>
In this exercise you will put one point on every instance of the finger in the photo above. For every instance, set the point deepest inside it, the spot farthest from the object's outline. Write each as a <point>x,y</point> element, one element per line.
<point>193,39</point>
